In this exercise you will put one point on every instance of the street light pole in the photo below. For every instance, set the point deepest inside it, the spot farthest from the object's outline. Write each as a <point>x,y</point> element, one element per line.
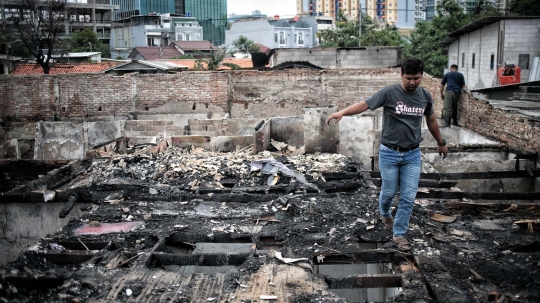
<point>90,43</point>
<point>359,22</point>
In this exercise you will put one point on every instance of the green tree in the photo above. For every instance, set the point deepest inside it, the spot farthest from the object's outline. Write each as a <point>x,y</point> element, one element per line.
<point>347,34</point>
<point>245,46</point>
<point>485,8</point>
<point>427,34</point>
<point>524,7</point>
<point>86,40</point>
<point>214,61</point>
<point>37,24</point>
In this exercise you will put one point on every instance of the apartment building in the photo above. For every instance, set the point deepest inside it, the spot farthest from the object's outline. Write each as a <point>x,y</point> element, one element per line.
<point>329,8</point>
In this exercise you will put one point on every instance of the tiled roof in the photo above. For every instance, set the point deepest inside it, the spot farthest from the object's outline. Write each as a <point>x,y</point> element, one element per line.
<point>64,68</point>
<point>263,49</point>
<point>152,52</point>
<point>190,63</point>
<point>191,45</point>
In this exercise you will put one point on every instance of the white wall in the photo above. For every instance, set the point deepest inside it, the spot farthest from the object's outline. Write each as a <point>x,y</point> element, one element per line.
<point>259,31</point>
<point>521,37</point>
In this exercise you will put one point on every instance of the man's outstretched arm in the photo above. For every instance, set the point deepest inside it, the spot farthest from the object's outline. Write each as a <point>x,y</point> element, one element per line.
<point>433,127</point>
<point>354,109</point>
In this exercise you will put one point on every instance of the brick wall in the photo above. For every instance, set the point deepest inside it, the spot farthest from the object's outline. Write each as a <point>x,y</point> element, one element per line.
<point>511,128</point>
<point>241,94</point>
<point>149,128</point>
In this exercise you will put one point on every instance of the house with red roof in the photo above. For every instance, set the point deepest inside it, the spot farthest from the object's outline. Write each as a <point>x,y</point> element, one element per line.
<point>154,53</point>
<point>189,48</point>
<point>65,68</point>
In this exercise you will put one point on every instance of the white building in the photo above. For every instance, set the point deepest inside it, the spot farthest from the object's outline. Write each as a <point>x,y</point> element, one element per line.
<point>272,33</point>
<point>152,30</point>
<point>481,47</point>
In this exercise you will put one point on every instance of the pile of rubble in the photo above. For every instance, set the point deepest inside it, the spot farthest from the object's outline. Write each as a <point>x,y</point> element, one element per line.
<point>178,166</point>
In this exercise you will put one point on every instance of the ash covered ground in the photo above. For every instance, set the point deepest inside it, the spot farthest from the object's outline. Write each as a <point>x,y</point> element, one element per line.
<point>308,207</point>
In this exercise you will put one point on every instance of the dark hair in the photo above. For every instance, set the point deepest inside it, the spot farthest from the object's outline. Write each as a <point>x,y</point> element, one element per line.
<point>454,66</point>
<point>412,66</point>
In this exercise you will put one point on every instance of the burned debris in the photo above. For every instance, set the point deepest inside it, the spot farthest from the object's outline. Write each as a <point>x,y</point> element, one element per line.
<point>189,225</point>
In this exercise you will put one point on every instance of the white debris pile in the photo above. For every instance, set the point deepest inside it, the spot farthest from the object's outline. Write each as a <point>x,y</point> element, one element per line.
<point>175,166</point>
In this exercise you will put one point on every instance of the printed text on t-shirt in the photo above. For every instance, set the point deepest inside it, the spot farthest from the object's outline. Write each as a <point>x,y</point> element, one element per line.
<point>403,109</point>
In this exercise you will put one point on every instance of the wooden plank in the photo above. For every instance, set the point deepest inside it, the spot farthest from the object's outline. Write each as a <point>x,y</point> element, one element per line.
<point>340,176</point>
<point>284,281</point>
<point>31,282</point>
<point>365,281</point>
<point>499,206</point>
<point>425,183</point>
<point>73,257</point>
<point>479,196</point>
<point>367,256</point>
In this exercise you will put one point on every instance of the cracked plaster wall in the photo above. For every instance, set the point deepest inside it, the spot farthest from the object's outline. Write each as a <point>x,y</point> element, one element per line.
<point>16,235</point>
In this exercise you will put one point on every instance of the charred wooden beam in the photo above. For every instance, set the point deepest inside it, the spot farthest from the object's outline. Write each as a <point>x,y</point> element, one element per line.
<point>32,282</point>
<point>365,281</point>
<point>70,257</point>
<point>479,196</point>
<point>498,206</point>
<point>425,183</point>
<point>22,197</point>
<point>367,256</point>
<point>69,206</point>
<point>341,176</point>
<point>474,175</point>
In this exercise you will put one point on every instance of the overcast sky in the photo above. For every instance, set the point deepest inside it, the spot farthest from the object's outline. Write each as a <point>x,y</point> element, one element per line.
<point>285,8</point>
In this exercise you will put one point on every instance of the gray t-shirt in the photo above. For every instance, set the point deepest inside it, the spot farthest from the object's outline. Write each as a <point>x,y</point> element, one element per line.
<point>402,115</point>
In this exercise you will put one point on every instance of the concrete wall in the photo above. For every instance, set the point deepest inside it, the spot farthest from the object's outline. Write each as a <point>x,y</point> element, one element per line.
<point>16,234</point>
<point>289,130</point>
<point>505,39</point>
<point>522,37</point>
<point>59,140</point>
<point>371,57</point>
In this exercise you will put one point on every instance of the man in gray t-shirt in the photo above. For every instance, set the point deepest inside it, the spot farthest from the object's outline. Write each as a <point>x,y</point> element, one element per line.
<point>404,106</point>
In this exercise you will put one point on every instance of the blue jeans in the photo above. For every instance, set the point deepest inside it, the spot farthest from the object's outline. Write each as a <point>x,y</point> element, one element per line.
<point>403,169</point>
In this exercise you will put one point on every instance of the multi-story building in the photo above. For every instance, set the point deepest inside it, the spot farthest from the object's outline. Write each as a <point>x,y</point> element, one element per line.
<point>406,14</point>
<point>383,10</point>
<point>350,8</point>
<point>420,13</point>
<point>275,33</point>
<point>87,14</point>
<point>152,30</point>
<point>130,8</point>
<point>211,15</point>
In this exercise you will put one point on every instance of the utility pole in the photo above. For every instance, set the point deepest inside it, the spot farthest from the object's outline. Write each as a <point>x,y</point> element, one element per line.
<point>6,66</point>
<point>359,22</point>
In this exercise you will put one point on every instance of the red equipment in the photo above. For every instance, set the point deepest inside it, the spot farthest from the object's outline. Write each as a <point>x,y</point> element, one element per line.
<point>509,74</point>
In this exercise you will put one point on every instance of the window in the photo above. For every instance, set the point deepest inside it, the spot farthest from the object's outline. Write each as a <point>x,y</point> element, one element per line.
<point>150,42</point>
<point>188,37</point>
<point>275,37</point>
<point>473,60</point>
<point>524,61</point>
<point>300,38</point>
<point>492,61</point>
<point>180,37</point>
<point>390,18</point>
<point>282,38</point>
<point>462,59</point>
